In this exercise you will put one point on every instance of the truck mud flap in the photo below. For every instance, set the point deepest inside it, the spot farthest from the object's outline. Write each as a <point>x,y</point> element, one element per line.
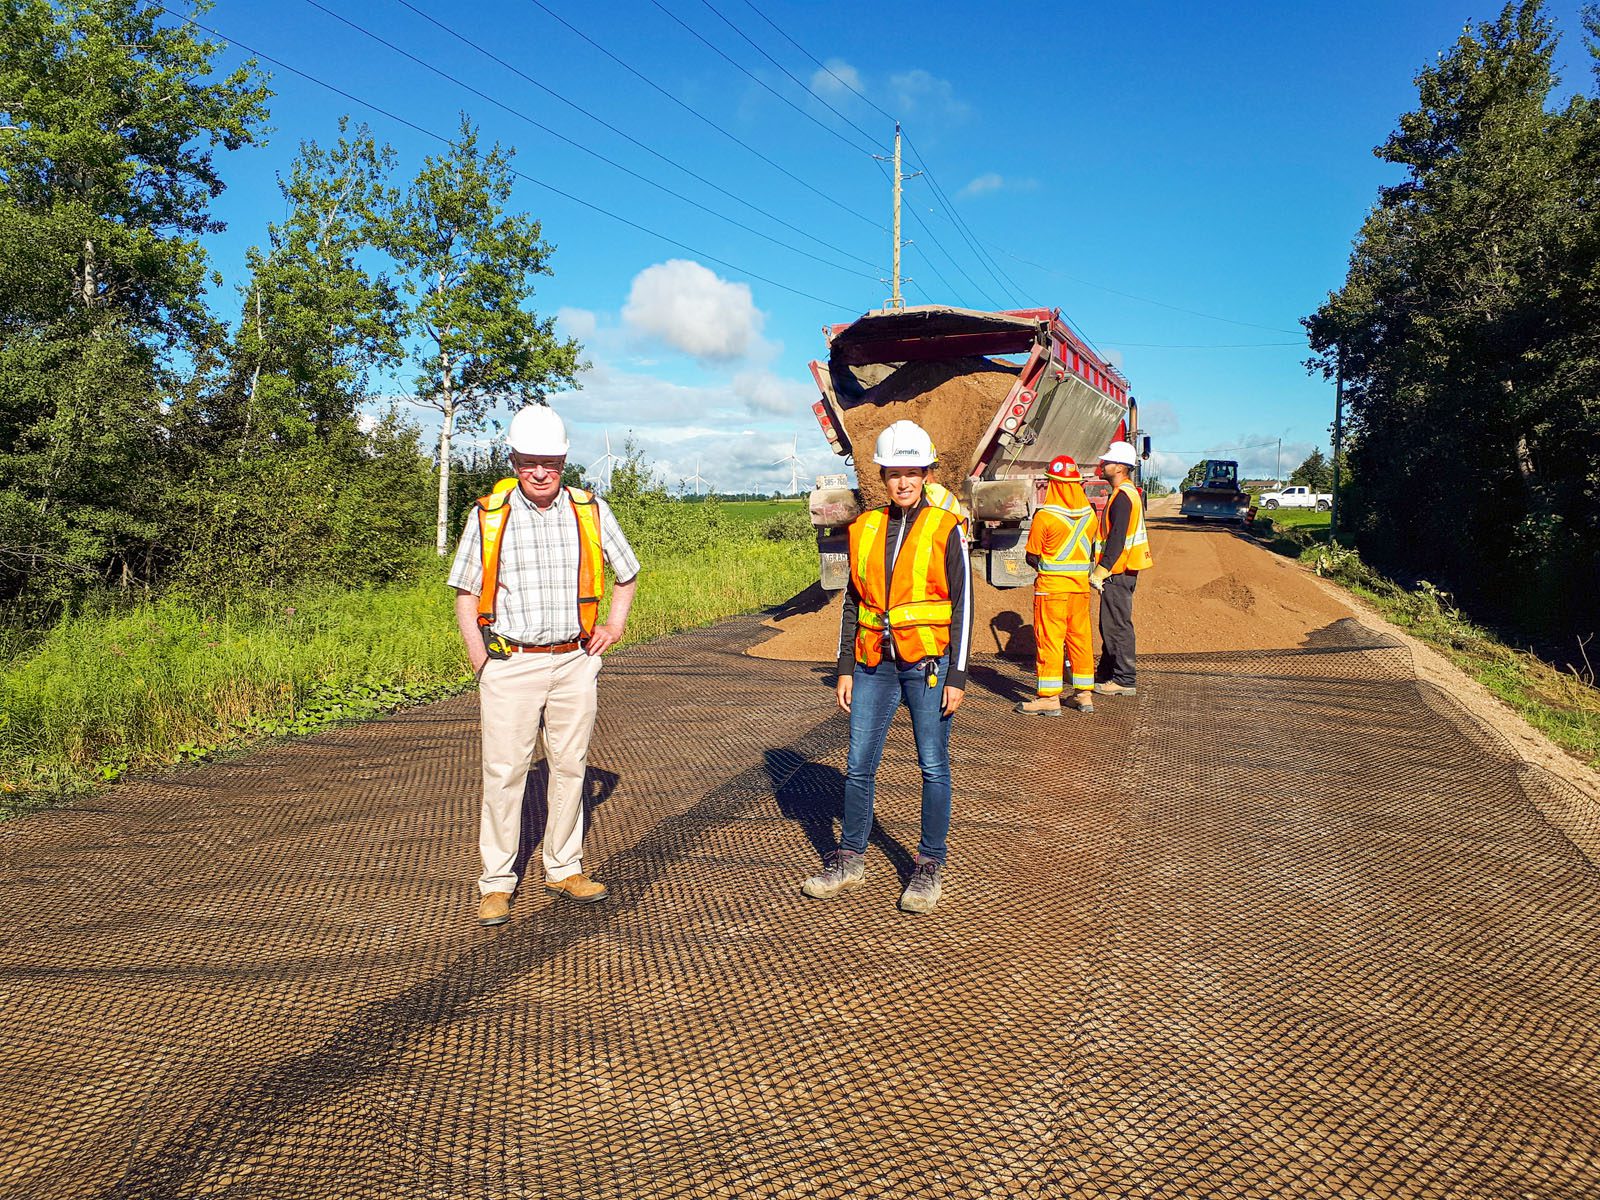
<point>833,553</point>
<point>1006,559</point>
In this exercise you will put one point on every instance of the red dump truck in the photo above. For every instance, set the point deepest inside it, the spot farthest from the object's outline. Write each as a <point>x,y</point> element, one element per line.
<point>1002,393</point>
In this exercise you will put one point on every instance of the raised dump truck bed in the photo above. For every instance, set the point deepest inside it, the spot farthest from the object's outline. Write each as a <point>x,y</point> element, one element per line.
<point>1001,393</point>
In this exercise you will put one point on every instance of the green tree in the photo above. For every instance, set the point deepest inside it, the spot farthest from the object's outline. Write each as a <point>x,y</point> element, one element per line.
<point>1466,331</point>
<point>1315,473</point>
<point>1195,474</point>
<point>109,121</point>
<point>467,267</point>
<point>316,321</point>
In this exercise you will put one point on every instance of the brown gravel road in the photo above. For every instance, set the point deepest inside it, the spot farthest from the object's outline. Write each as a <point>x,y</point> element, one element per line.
<point>1291,923</point>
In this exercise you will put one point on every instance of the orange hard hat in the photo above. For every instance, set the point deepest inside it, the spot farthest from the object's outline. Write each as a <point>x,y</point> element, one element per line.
<point>1064,470</point>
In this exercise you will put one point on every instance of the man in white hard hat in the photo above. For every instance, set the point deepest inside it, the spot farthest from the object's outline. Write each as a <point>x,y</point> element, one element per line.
<point>903,639</point>
<point>1124,552</point>
<point>529,575</point>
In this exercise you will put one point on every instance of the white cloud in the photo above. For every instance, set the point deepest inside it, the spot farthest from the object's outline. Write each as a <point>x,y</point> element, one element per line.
<point>1158,418</point>
<point>987,182</point>
<point>736,427</point>
<point>836,78</point>
<point>766,393</point>
<point>919,91</point>
<point>993,181</point>
<point>690,308</point>
<point>577,323</point>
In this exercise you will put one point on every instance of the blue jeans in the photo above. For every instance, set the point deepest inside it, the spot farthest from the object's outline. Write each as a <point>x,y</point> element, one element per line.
<point>876,693</point>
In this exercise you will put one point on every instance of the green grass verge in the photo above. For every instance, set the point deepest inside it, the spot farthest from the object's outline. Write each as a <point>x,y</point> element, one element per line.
<point>179,680</point>
<point>1560,704</point>
<point>754,512</point>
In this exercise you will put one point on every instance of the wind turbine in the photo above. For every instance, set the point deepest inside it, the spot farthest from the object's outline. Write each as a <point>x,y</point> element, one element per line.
<point>793,459</point>
<point>696,478</point>
<point>608,458</point>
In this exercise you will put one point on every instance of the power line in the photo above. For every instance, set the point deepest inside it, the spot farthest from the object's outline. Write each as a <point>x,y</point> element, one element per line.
<point>960,223</point>
<point>698,36</point>
<point>1222,449</point>
<point>549,187</point>
<point>692,111</point>
<point>672,162</point>
<point>805,87</point>
<point>1193,312</point>
<point>962,229</point>
<point>576,145</point>
<point>1223,346</point>
<point>842,82</point>
<point>932,237</point>
<point>1018,258</point>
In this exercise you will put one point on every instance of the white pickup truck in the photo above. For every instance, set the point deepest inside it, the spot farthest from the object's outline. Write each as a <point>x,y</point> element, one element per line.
<point>1295,497</point>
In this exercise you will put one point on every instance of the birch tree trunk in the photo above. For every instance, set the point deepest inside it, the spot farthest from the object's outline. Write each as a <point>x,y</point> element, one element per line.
<point>447,405</point>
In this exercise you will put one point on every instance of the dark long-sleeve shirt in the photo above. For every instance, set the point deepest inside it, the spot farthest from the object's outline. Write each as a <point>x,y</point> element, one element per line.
<point>1119,515</point>
<point>957,570</point>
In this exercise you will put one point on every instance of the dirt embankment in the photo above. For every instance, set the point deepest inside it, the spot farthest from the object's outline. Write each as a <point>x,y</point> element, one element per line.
<point>1208,590</point>
<point>954,400</point>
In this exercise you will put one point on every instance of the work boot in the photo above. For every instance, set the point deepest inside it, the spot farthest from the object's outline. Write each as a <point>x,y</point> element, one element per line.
<point>1115,689</point>
<point>1083,702</point>
<point>577,887</point>
<point>1040,706</point>
<point>927,881</point>
<point>844,870</point>
<point>494,908</point>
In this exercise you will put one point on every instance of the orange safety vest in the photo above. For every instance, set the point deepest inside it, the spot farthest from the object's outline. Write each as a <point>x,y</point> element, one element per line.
<point>942,497</point>
<point>494,510</point>
<point>914,606</point>
<point>1067,570</point>
<point>1135,554</point>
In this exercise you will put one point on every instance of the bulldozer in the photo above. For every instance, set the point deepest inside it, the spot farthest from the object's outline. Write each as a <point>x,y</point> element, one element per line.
<point>1218,496</point>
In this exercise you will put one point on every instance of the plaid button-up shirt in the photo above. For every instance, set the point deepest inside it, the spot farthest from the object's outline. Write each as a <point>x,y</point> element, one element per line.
<point>537,599</point>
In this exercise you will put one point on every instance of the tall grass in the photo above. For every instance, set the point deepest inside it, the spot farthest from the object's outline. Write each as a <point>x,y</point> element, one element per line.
<point>177,680</point>
<point>1563,705</point>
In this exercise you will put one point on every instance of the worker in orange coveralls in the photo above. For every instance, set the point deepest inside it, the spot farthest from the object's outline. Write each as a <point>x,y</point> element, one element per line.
<point>1061,548</point>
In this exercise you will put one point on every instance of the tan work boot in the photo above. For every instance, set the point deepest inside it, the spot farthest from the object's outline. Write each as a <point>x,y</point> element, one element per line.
<point>1082,702</point>
<point>1040,706</point>
<point>494,908</point>
<point>1115,689</point>
<point>577,887</point>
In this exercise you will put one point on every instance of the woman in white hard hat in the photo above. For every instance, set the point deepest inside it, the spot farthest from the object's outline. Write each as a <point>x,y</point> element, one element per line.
<point>1124,552</point>
<point>903,639</point>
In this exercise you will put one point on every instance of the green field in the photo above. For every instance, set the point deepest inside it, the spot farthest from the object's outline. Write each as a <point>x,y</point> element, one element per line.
<point>1297,518</point>
<point>753,512</point>
<point>179,680</point>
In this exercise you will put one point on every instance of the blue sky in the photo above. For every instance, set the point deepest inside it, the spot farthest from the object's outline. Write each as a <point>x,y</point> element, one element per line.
<point>1183,181</point>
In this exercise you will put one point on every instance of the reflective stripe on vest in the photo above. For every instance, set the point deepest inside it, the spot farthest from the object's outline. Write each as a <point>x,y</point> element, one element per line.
<point>494,511</point>
<point>1135,554</point>
<point>942,497</point>
<point>1076,556</point>
<point>913,605</point>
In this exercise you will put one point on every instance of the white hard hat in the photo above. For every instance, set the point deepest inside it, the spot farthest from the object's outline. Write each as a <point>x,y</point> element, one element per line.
<point>904,444</point>
<point>1121,452</point>
<point>537,430</point>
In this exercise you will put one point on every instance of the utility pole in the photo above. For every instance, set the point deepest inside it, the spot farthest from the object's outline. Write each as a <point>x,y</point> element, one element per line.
<point>896,300</point>
<point>1277,466</point>
<point>1338,437</point>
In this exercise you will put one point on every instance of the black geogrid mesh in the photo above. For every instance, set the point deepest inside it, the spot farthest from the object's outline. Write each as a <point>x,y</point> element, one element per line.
<point>1281,926</point>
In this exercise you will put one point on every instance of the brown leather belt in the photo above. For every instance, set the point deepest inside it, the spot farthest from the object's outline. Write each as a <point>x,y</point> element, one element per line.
<point>554,648</point>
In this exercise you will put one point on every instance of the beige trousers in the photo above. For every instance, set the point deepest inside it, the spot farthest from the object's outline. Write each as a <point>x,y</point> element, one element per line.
<point>513,695</point>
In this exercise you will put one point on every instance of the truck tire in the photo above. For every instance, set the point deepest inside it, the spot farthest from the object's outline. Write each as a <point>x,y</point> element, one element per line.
<point>1272,504</point>
<point>1322,506</point>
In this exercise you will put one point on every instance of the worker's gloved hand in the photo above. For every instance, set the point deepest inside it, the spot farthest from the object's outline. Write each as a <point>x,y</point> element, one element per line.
<point>1098,577</point>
